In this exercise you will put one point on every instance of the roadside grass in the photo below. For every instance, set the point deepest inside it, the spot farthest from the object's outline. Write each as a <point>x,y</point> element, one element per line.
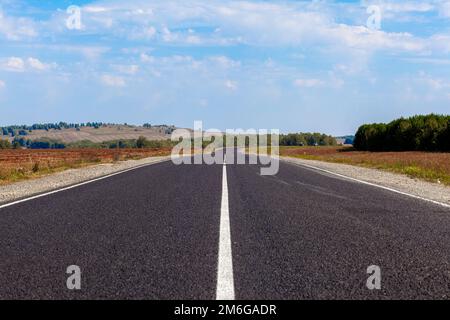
<point>429,166</point>
<point>18,165</point>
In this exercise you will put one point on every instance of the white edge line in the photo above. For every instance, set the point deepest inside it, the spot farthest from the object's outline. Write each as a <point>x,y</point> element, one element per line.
<point>79,184</point>
<point>225,278</point>
<point>368,183</point>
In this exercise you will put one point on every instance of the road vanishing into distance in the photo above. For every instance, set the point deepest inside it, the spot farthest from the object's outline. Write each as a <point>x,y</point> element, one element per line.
<point>212,231</point>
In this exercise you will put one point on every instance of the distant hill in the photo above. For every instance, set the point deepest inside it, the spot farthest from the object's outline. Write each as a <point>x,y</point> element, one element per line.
<point>95,133</point>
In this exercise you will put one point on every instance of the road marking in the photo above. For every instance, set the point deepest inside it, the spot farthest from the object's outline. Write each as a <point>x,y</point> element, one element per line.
<point>78,184</point>
<point>225,278</point>
<point>369,183</point>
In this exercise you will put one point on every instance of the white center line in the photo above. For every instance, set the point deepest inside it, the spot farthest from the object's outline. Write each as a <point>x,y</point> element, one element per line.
<point>225,280</point>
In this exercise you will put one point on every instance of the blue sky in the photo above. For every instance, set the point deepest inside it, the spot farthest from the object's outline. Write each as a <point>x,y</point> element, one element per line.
<point>289,65</point>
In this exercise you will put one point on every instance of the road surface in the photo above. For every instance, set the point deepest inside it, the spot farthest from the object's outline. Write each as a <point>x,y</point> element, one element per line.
<point>192,232</point>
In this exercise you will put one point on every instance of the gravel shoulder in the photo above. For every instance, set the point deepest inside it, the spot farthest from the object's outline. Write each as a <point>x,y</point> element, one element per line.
<point>403,183</point>
<point>15,191</point>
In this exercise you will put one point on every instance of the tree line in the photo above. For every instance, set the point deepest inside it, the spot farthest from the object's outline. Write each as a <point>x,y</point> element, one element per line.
<point>47,143</point>
<point>23,130</point>
<point>293,139</point>
<point>418,133</point>
<point>307,139</point>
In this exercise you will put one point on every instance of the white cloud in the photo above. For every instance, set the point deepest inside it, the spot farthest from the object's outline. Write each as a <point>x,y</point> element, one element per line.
<point>203,103</point>
<point>36,64</point>
<point>208,65</point>
<point>226,22</point>
<point>17,28</point>
<point>89,52</point>
<point>440,43</point>
<point>434,61</point>
<point>444,9</point>
<point>406,6</point>
<point>142,33</point>
<point>194,39</point>
<point>346,68</point>
<point>362,38</point>
<point>433,82</point>
<point>231,85</point>
<point>127,69</point>
<point>16,64</point>
<point>290,23</point>
<point>225,62</point>
<point>149,33</point>
<point>231,22</point>
<point>113,81</point>
<point>308,83</point>
<point>2,84</point>
<point>95,9</point>
<point>332,80</point>
<point>168,36</point>
<point>146,58</point>
<point>13,64</point>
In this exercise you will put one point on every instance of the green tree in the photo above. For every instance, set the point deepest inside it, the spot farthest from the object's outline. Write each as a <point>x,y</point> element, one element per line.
<point>426,133</point>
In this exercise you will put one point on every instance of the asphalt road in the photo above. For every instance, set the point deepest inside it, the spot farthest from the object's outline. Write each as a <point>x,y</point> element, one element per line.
<point>154,233</point>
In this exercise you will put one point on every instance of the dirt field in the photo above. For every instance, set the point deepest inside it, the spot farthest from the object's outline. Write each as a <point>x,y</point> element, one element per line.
<point>434,167</point>
<point>22,164</point>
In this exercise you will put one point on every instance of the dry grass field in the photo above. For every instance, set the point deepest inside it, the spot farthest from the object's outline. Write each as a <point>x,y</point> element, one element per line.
<point>104,133</point>
<point>17,165</point>
<point>430,166</point>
